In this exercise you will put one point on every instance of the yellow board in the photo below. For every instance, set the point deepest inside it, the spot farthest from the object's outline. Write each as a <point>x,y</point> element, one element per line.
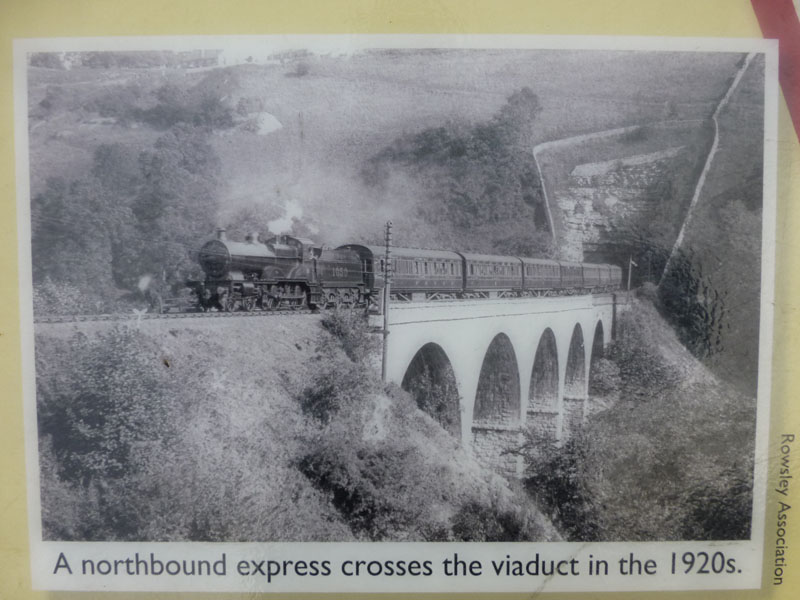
<point>80,18</point>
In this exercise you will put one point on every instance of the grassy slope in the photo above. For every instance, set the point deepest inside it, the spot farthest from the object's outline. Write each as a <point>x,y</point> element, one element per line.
<point>725,231</point>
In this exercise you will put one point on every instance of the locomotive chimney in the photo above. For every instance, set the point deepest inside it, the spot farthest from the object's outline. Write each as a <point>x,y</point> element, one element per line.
<point>221,234</point>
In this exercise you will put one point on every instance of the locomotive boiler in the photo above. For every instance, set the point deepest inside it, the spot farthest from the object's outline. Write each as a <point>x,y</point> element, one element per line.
<point>280,272</point>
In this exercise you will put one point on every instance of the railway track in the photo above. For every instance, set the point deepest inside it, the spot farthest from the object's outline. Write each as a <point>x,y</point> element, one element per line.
<point>142,316</point>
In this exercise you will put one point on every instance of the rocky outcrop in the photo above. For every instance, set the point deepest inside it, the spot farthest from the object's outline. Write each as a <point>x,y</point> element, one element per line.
<point>597,194</point>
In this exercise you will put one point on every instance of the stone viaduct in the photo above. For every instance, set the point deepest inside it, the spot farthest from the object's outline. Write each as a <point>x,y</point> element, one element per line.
<point>515,364</point>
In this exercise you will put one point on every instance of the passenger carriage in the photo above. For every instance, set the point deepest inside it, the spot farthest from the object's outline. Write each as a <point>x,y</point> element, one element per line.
<point>416,274</point>
<point>571,277</point>
<point>540,276</point>
<point>490,276</point>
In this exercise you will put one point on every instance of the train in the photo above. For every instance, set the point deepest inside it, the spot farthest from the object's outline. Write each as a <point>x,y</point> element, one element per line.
<point>288,272</point>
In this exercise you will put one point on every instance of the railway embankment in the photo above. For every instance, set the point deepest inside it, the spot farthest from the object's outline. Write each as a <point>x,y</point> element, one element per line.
<point>253,430</point>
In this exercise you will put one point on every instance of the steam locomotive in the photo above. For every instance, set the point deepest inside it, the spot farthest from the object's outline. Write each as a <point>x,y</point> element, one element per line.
<point>292,272</point>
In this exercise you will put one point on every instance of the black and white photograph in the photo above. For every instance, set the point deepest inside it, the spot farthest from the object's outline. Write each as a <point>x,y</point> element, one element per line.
<point>380,290</point>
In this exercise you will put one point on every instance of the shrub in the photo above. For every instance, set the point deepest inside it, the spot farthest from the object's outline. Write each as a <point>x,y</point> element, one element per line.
<point>369,485</point>
<point>479,522</point>
<point>51,298</point>
<point>720,509</point>
<point>605,379</point>
<point>101,405</point>
<point>351,329</point>
<point>333,382</point>
<point>557,479</point>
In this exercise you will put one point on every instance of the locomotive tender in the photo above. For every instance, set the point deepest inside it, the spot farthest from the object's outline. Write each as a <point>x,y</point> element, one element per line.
<point>287,271</point>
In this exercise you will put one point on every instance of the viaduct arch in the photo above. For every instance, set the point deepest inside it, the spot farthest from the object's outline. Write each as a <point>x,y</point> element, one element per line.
<point>488,369</point>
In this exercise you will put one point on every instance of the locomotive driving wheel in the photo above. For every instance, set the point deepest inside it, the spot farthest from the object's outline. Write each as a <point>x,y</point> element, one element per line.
<point>228,302</point>
<point>299,302</point>
<point>249,303</point>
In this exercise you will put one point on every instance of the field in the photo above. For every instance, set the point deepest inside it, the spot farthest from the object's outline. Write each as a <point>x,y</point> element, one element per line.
<point>342,111</point>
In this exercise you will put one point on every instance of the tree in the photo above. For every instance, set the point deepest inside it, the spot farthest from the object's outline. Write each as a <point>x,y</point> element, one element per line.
<point>480,183</point>
<point>177,203</point>
<point>517,117</point>
<point>72,226</point>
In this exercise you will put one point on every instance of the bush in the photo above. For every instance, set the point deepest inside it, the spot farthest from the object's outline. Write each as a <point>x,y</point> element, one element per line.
<point>478,522</point>
<point>436,394</point>
<point>334,382</point>
<point>721,509</point>
<point>99,403</point>
<point>51,298</point>
<point>605,379</point>
<point>351,329</point>
<point>371,486</point>
<point>557,479</point>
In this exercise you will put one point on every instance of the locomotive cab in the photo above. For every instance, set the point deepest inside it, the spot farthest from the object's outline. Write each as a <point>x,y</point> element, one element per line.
<point>287,246</point>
